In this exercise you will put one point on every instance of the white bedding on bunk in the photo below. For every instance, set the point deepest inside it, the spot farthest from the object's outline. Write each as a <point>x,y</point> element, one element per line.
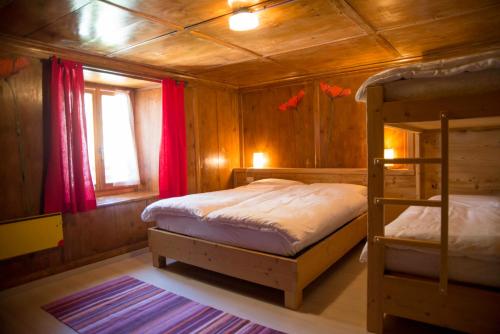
<point>199,205</point>
<point>433,69</point>
<point>474,239</point>
<point>301,214</point>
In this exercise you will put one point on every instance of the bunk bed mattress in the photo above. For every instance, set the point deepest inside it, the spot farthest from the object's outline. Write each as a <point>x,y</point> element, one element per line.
<point>474,240</point>
<point>281,222</point>
<point>471,74</point>
<point>460,268</point>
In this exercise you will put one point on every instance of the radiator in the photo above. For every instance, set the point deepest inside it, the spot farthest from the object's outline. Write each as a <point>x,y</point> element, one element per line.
<point>31,234</point>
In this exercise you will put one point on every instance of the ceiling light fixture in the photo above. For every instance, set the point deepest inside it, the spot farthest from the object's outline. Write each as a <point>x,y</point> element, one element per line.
<point>243,20</point>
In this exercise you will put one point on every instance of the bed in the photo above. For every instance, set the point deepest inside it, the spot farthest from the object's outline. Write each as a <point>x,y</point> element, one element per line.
<point>456,94</point>
<point>474,241</point>
<point>278,233</point>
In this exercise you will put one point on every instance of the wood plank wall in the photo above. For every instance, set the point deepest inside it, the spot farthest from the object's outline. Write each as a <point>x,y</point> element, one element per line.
<point>213,150</point>
<point>320,133</point>
<point>212,127</point>
<point>21,169</point>
<point>474,162</point>
<point>21,179</point>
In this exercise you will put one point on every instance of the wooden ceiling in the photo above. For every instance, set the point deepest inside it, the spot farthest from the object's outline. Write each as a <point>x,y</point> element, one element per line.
<point>294,38</point>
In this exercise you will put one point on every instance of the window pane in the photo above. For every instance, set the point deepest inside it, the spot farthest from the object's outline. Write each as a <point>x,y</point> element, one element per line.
<point>89,119</point>
<point>120,157</point>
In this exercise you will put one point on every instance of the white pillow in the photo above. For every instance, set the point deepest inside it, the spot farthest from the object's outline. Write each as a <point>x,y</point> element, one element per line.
<point>272,181</point>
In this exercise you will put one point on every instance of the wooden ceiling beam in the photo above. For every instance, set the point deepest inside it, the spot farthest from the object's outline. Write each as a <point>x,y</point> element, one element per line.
<point>36,49</point>
<point>441,54</point>
<point>345,8</point>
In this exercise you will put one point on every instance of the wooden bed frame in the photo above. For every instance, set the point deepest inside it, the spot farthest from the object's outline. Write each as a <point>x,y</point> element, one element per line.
<point>290,274</point>
<point>458,306</point>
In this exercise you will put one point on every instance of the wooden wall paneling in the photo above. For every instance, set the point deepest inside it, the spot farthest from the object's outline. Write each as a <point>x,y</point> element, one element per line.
<point>212,136</point>
<point>208,134</point>
<point>148,115</point>
<point>21,171</point>
<point>317,124</point>
<point>29,95</point>
<point>119,227</point>
<point>10,169</point>
<point>196,135</point>
<point>287,138</point>
<point>191,138</point>
<point>330,134</point>
<point>474,162</point>
<point>343,125</point>
<point>228,135</point>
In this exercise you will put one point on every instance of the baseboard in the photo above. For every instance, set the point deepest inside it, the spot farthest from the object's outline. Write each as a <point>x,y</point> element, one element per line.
<point>72,265</point>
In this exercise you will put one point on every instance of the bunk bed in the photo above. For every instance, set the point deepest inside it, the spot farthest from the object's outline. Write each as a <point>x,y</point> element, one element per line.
<point>460,93</point>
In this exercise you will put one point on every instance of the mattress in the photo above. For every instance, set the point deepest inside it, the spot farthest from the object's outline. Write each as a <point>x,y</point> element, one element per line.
<point>282,221</point>
<point>263,241</point>
<point>475,73</point>
<point>460,268</point>
<point>474,240</point>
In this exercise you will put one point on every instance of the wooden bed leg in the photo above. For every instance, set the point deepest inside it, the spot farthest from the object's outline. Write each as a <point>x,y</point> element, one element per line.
<point>375,323</point>
<point>159,261</point>
<point>293,299</point>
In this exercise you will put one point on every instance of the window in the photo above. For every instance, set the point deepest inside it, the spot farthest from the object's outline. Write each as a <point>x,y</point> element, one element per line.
<point>110,139</point>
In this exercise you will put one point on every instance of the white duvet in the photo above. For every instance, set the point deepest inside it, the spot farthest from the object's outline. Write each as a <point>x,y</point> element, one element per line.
<point>302,214</point>
<point>200,205</point>
<point>474,227</point>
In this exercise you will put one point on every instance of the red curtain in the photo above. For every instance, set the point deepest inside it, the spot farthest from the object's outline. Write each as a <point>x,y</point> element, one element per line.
<point>68,183</point>
<point>173,156</point>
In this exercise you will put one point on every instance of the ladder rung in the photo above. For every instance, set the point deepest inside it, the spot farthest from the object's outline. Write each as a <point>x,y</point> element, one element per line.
<point>398,201</point>
<point>407,242</point>
<point>403,161</point>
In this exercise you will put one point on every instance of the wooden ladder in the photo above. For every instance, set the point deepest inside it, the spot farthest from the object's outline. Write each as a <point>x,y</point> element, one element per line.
<point>381,201</point>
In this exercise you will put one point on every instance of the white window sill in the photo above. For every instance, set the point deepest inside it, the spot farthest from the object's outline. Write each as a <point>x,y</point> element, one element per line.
<point>107,200</point>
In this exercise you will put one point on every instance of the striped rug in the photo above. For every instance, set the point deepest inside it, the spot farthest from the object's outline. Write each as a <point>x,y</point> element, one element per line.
<point>128,305</point>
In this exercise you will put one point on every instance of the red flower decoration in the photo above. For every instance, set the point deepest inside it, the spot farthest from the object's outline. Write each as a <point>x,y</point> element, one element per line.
<point>10,66</point>
<point>293,102</point>
<point>334,91</point>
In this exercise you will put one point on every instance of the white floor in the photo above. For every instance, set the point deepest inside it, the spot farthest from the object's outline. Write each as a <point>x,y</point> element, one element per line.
<point>334,303</point>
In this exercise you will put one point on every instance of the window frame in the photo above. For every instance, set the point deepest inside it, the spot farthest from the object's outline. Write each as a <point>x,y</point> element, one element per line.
<point>102,188</point>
